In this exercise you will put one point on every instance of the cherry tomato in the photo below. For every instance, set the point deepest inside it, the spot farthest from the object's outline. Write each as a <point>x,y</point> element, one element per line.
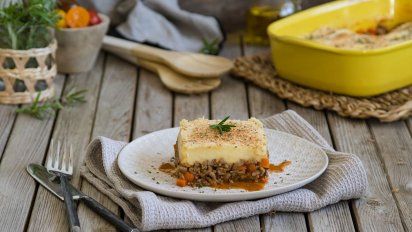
<point>94,18</point>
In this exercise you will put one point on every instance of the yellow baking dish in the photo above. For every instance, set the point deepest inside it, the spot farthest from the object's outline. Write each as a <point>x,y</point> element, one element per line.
<point>349,72</point>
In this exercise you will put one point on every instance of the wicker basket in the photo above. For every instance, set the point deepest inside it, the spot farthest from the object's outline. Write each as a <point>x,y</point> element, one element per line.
<point>24,73</point>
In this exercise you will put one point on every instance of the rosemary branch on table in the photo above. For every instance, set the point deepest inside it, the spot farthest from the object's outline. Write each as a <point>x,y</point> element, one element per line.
<point>221,127</point>
<point>73,97</point>
<point>41,110</point>
<point>210,47</point>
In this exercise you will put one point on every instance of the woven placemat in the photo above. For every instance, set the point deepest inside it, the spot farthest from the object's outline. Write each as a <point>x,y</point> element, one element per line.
<point>388,107</point>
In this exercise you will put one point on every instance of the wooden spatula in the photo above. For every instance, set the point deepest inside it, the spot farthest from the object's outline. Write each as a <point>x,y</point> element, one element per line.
<point>175,81</point>
<point>190,64</point>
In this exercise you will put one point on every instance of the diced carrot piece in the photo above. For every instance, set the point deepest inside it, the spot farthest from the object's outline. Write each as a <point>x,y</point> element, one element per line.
<point>264,180</point>
<point>265,163</point>
<point>181,182</point>
<point>251,167</point>
<point>189,176</point>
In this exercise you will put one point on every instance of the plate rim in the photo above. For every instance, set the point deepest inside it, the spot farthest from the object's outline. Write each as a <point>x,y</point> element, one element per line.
<point>197,196</point>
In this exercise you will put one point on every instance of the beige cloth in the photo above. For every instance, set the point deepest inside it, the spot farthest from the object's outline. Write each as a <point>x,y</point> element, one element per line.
<point>161,23</point>
<point>345,178</point>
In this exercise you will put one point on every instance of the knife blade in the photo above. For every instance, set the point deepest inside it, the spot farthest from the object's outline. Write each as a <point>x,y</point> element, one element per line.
<point>51,183</point>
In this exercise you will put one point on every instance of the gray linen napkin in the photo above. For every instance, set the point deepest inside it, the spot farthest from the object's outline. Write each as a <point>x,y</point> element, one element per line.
<point>159,22</point>
<point>345,178</point>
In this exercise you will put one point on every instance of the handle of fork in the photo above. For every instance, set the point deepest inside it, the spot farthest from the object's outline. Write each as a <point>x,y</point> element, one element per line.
<point>70,207</point>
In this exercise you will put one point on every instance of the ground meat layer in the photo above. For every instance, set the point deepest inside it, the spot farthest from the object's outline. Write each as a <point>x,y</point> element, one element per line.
<point>214,172</point>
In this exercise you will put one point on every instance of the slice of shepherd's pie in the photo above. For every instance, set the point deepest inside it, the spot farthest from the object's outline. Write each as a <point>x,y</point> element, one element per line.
<point>221,154</point>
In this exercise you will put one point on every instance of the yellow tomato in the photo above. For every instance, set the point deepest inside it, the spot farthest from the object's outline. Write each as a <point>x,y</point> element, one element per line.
<point>62,21</point>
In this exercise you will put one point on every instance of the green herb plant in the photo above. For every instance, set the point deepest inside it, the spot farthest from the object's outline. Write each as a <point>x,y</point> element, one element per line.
<point>43,110</point>
<point>27,24</point>
<point>222,127</point>
<point>210,47</point>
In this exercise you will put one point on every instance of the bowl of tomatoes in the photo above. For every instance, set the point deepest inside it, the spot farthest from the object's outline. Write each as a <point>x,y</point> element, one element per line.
<point>79,35</point>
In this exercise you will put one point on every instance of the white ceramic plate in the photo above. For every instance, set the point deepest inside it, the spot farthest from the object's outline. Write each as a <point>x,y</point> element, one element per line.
<point>140,159</point>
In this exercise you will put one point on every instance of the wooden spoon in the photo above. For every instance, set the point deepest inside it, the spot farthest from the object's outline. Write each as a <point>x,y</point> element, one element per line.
<point>190,64</point>
<point>175,81</point>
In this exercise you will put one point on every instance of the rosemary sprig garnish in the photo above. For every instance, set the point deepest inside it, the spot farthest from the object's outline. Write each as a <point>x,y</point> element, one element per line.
<point>42,110</point>
<point>73,97</point>
<point>221,127</point>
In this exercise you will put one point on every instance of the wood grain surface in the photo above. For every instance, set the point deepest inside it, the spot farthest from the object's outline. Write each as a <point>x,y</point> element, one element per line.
<point>73,126</point>
<point>377,211</point>
<point>27,144</point>
<point>114,114</point>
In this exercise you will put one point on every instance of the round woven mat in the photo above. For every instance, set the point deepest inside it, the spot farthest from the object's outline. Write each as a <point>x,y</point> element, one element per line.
<point>387,107</point>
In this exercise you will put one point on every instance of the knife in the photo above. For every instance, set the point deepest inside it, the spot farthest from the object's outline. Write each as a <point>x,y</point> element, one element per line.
<point>50,182</point>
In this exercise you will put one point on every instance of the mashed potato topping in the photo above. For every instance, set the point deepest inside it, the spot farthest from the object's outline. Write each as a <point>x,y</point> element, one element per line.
<point>345,38</point>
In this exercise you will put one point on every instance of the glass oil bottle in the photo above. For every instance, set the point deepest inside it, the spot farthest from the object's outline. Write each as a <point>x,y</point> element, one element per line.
<point>261,15</point>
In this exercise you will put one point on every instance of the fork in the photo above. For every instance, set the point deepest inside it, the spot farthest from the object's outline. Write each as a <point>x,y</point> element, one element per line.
<point>62,166</point>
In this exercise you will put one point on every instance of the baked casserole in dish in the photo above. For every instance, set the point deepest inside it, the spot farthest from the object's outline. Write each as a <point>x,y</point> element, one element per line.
<point>359,61</point>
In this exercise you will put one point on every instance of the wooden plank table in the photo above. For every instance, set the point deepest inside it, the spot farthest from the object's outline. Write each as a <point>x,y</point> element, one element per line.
<point>125,102</point>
